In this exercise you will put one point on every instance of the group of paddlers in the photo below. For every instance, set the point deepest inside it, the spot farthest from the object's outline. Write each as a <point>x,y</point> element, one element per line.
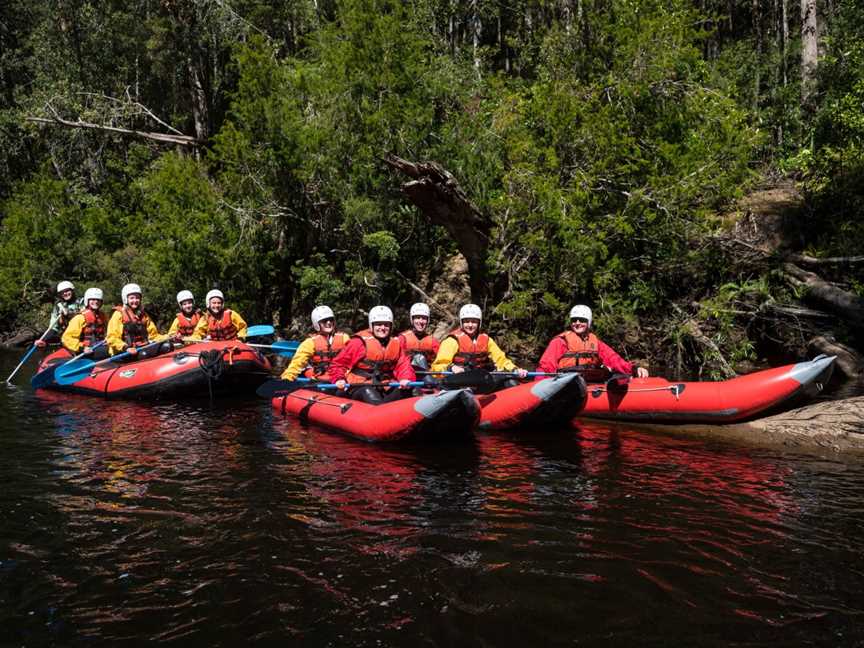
<point>82,327</point>
<point>361,364</point>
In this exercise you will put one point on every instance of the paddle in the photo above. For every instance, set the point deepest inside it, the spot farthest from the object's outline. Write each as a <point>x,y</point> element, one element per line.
<point>278,387</point>
<point>82,367</point>
<point>46,377</point>
<point>27,356</point>
<point>260,329</point>
<point>284,348</point>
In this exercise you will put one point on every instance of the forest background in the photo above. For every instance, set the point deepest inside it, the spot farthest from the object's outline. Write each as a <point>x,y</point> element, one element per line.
<point>525,154</point>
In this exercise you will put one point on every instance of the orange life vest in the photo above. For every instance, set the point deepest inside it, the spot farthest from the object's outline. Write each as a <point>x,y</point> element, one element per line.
<point>325,351</point>
<point>186,325</point>
<point>134,326</point>
<point>473,353</point>
<point>378,363</point>
<point>581,353</point>
<point>221,329</point>
<point>93,331</point>
<point>427,345</point>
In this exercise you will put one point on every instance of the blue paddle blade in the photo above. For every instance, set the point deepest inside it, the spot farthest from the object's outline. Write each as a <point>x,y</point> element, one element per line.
<point>44,378</point>
<point>259,330</point>
<point>73,372</point>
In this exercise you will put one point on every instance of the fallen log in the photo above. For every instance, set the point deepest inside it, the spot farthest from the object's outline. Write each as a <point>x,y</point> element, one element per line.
<point>849,361</point>
<point>438,195</point>
<point>845,304</point>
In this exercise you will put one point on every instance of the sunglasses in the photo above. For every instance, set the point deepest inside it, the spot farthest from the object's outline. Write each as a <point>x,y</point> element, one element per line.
<point>581,320</point>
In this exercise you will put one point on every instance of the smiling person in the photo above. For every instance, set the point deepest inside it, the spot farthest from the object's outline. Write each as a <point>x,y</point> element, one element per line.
<point>315,354</point>
<point>65,309</point>
<point>373,356</point>
<point>87,328</point>
<point>467,348</point>
<point>219,323</point>
<point>416,342</point>
<point>187,319</point>
<point>130,326</point>
<point>578,349</point>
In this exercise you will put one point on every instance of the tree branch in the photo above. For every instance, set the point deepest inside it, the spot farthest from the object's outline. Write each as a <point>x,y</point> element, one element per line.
<point>164,138</point>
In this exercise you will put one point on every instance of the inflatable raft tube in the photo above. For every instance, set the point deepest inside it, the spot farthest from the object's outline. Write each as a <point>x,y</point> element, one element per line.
<point>225,367</point>
<point>552,401</point>
<point>727,401</point>
<point>446,415</point>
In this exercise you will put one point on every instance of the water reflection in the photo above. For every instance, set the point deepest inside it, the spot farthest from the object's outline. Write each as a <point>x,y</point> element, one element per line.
<point>220,524</point>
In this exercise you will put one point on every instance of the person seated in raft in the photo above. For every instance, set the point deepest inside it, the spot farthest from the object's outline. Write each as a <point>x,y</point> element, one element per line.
<point>130,327</point>
<point>373,356</point>
<point>577,349</point>
<point>416,342</point>
<point>467,348</point>
<point>65,309</point>
<point>218,322</point>
<point>187,319</point>
<point>87,328</point>
<point>313,357</point>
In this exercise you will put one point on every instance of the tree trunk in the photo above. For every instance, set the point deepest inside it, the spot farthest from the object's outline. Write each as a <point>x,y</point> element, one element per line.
<point>476,28</point>
<point>809,52</point>
<point>757,36</point>
<point>198,98</point>
<point>439,197</point>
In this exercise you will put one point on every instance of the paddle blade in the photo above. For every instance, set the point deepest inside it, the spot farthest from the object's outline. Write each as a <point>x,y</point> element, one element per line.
<point>277,387</point>
<point>259,330</point>
<point>73,372</point>
<point>43,378</point>
<point>477,378</point>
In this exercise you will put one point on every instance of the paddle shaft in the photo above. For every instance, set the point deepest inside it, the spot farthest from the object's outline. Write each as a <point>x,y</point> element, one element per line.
<point>27,355</point>
<point>81,355</point>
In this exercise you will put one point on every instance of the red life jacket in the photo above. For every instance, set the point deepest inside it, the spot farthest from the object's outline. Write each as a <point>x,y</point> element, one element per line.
<point>581,353</point>
<point>134,326</point>
<point>221,329</point>
<point>427,345</point>
<point>186,325</point>
<point>325,351</point>
<point>93,331</point>
<point>379,362</point>
<point>473,353</point>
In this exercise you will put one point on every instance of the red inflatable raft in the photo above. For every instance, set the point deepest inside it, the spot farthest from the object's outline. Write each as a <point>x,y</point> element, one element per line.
<point>189,371</point>
<point>445,415</point>
<point>656,399</point>
<point>541,403</point>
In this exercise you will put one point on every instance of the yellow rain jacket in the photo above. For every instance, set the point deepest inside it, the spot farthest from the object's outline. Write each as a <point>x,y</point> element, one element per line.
<point>201,329</point>
<point>304,354</point>
<point>450,347</point>
<point>114,336</point>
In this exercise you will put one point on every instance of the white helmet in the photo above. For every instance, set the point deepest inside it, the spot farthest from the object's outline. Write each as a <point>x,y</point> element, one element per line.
<point>581,311</point>
<point>470,311</point>
<point>65,285</point>
<point>380,314</point>
<point>92,293</point>
<point>130,289</point>
<point>419,309</point>
<point>213,293</point>
<point>184,295</point>
<point>321,313</point>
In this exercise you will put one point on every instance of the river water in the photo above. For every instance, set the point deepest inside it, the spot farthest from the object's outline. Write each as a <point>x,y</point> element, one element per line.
<point>224,524</point>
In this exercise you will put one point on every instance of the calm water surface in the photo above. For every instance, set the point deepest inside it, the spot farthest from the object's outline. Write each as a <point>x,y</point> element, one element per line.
<point>222,524</point>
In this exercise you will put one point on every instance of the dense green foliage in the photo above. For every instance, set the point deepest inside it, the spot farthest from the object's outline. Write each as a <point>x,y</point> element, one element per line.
<point>599,137</point>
